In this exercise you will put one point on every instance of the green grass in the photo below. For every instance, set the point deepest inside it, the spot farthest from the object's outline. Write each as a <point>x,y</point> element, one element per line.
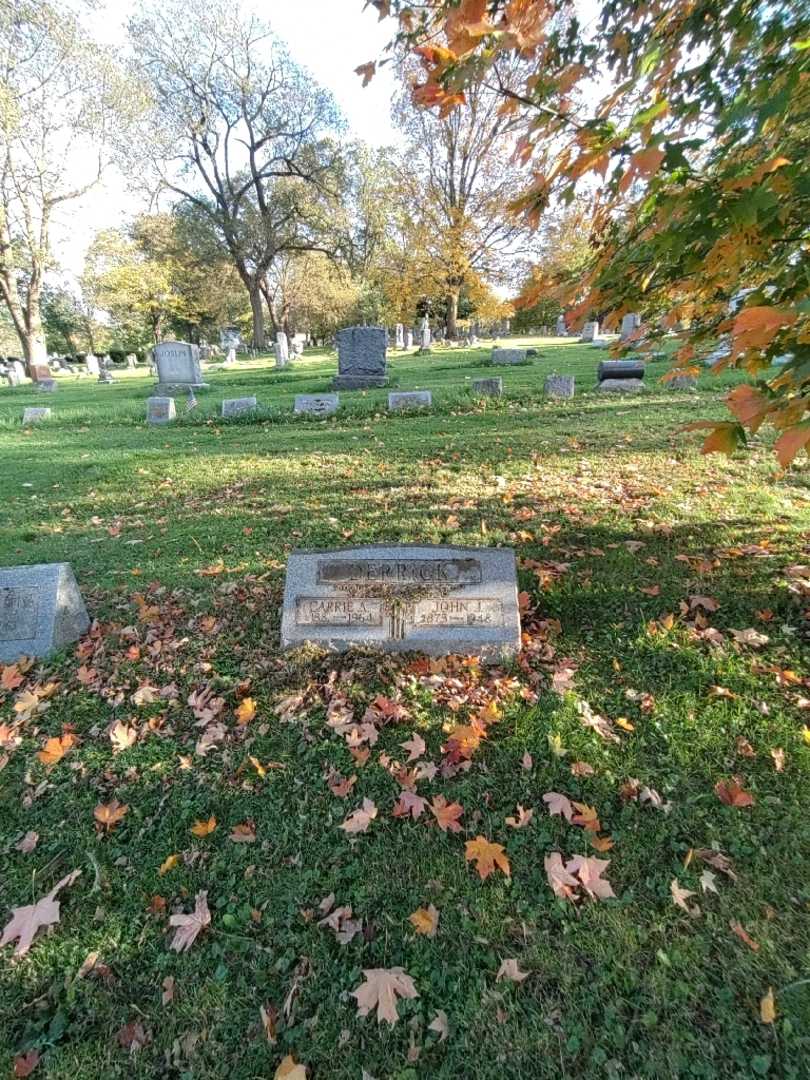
<point>198,518</point>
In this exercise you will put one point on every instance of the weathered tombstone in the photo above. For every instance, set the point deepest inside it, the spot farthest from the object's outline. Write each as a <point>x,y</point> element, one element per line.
<point>47,386</point>
<point>39,372</point>
<point>317,404</point>
<point>720,352</point>
<point>424,336</point>
<point>282,350</point>
<point>230,338</point>
<point>561,330</point>
<point>589,331</point>
<point>361,358</point>
<point>620,369</point>
<point>559,386</point>
<point>178,367</point>
<point>18,367</point>
<point>13,376</point>
<point>230,359</point>
<point>92,364</point>
<point>399,400</point>
<point>400,598</point>
<point>621,386</point>
<point>297,345</point>
<point>160,410</point>
<point>508,356</point>
<point>131,361</point>
<point>105,376</point>
<point>630,323</point>
<point>237,406</point>
<point>409,338</point>
<point>34,415</point>
<point>41,610</point>
<point>488,387</point>
<point>399,335</point>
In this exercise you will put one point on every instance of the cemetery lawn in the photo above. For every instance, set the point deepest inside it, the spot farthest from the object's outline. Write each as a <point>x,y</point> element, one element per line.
<point>666,644</point>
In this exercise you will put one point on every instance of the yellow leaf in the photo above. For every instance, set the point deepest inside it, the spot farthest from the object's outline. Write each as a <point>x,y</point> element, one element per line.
<point>767,1007</point>
<point>203,828</point>
<point>168,864</point>
<point>109,814</point>
<point>257,765</point>
<point>487,856</point>
<point>289,1069</point>
<point>624,724</point>
<point>246,710</point>
<point>425,920</point>
<point>806,735</point>
<point>55,749</point>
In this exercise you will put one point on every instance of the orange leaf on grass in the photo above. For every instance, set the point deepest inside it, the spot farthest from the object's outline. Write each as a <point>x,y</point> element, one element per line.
<point>245,711</point>
<point>732,793</point>
<point>487,856</point>
<point>204,828</point>
<point>425,920</point>
<point>743,935</point>
<point>446,814</point>
<point>55,749</point>
<point>110,814</point>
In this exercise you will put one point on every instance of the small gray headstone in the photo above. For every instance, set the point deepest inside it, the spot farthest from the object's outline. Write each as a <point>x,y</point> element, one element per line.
<point>160,410</point>
<point>317,404</point>
<point>488,387</point>
<point>399,335</point>
<point>431,599</point>
<point>361,358</point>
<point>178,366</point>
<point>622,386</point>
<point>409,338</point>
<point>560,329</point>
<point>237,406</point>
<point>399,400</point>
<point>33,416</point>
<point>92,364</point>
<point>559,386</point>
<point>508,356</point>
<point>630,323</point>
<point>41,610</point>
<point>17,371</point>
<point>589,331</point>
<point>105,376</point>
<point>47,386</point>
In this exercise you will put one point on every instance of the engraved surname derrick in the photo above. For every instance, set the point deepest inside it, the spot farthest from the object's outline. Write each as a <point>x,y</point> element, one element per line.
<point>400,571</point>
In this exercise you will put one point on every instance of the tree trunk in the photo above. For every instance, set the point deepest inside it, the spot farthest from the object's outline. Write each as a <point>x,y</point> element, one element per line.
<point>452,314</point>
<point>259,341</point>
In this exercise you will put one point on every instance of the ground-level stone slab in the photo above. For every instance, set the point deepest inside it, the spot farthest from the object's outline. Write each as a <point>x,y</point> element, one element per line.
<point>400,598</point>
<point>488,387</point>
<point>160,410</point>
<point>559,386</point>
<point>509,356</point>
<point>399,400</point>
<point>33,415</point>
<point>41,610</point>
<point>621,386</point>
<point>237,406</point>
<point>317,404</point>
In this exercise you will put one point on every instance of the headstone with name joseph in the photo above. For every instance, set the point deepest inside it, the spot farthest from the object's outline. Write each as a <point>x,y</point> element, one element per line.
<point>431,599</point>
<point>361,358</point>
<point>41,610</point>
<point>178,366</point>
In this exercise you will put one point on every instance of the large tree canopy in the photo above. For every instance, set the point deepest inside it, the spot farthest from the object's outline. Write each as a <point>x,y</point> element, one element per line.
<point>686,123</point>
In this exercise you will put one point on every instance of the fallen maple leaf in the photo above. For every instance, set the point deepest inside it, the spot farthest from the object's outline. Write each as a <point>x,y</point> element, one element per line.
<point>778,756</point>
<point>590,873</point>
<point>731,792</point>
<point>11,677</point>
<point>767,1007</point>
<point>523,818</point>
<point>341,786</point>
<point>122,736</point>
<point>28,842</point>
<point>24,1064</point>
<point>717,860</point>
<point>487,856</point>
<point>410,804</point>
<point>245,711</point>
<point>708,882</point>
<point>244,833</point>
<point>559,804</point>
<point>681,895</point>
<point>439,1025</point>
<point>204,828</point>
<point>167,996</point>
<point>55,749</point>
<point>581,768</point>
<point>561,881</point>
<point>360,819</point>
<point>446,814</point>
<point>415,747</point>
<point>109,814</point>
<point>749,637</point>
<point>289,1069</point>
<point>189,926</point>
<point>425,920</point>
<point>168,864</point>
<point>509,970</point>
<point>381,988</point>
<point>743,935</point>
<point>586,817</point>
<point>27,920</point>
<point>133,1036</point>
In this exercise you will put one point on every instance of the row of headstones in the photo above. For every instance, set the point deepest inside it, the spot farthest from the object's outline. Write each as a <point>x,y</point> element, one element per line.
<point>590,331</point>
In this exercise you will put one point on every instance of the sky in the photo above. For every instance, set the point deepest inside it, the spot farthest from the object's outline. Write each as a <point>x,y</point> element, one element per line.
<point>328,37</point>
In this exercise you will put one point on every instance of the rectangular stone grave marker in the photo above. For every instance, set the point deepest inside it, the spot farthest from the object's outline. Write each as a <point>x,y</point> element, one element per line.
<point>317,404</point>
<point>559,386</point>
<point>621,386</point>
<point>488,387</point>
<point>41,610</point>
<point>630,323</point>
<point>237,406</point>
<point>508,356</point>
<point>178,365</point>
<point>160,410</point>
<point>590,331</point>
<point>47,386</point>
<point>399,400</point>
<point>433,599</point>
<point>33,416</point>
<point>39,372</point>
<point>361,358</point>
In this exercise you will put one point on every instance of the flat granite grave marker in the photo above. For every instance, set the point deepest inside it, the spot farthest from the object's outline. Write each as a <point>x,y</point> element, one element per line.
<point>33,416</point>
<point>509,356</point>
<point>317,404</point>
<point>41,610</point>
<point>399,400</point>
<point>488,387</point>
<point>559,386</point>
<point>160,410</point>
<point>237,406</point>
<point>178,366</point>
<point>404,597</point>
<point>361,358</point>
